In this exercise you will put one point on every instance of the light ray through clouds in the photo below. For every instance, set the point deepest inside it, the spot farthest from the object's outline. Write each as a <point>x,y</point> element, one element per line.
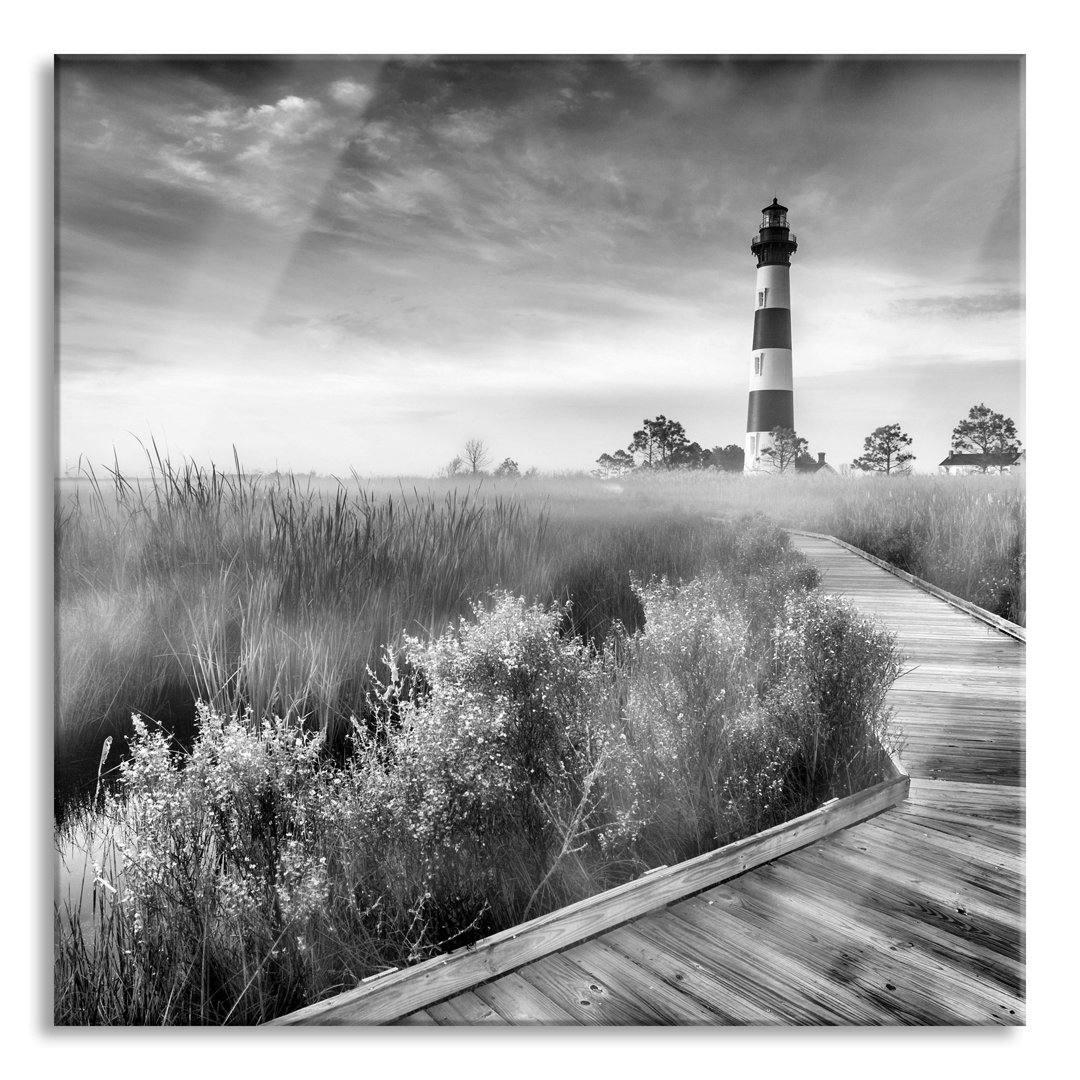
<point>365,262</point>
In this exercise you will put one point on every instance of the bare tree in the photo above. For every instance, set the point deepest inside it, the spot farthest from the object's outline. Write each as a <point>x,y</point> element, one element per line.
<point>454,467</point>
<point>476,455</point>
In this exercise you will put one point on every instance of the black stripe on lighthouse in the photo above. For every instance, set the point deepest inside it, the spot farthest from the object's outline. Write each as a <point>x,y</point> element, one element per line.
<point>768,409</point>
<point>772,330</point>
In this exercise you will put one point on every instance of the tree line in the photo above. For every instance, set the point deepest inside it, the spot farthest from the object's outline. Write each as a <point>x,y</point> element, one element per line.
<point>661,443</point>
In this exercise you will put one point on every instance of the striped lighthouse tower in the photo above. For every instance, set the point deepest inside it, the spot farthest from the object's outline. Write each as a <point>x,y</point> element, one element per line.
<point>771,403</point>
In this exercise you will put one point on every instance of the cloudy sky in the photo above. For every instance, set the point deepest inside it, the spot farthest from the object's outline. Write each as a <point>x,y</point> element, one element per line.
<point>362,263</point>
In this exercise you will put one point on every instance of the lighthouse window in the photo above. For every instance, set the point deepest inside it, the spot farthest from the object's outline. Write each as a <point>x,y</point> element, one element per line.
<point>762,297</point>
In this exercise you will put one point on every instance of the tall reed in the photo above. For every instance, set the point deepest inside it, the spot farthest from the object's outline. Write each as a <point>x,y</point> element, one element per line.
<point>279,596</point>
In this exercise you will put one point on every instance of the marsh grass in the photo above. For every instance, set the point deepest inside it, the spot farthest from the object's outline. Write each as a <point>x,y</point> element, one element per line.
<point>965,534</point>
<point>281,596</point>
<point>508,767</point>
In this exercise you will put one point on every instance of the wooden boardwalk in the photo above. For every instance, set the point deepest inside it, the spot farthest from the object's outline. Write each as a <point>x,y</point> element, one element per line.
<point>914,916</point>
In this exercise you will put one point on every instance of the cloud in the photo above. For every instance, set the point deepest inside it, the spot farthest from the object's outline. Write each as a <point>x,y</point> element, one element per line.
<point>184,166</point>
<point>469,128</point>
<point>240,132</point>
<point>268,159</point>
<point>351,93</point>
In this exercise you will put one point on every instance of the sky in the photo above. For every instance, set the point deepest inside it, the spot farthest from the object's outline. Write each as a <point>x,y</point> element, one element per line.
<point>358,263</point>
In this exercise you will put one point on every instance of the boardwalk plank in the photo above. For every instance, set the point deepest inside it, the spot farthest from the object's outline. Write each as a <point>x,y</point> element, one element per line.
<point>465,1009</point>
<point>917,898</point>
<point>519,1002</point>
<point>953,886</point>
<point>985,802</point>
<point>988,851</point>
<point>839,937</point>
<point>877,915</point>
<point>420,1018</point>
<point>683,968</point>
<point>624,977</point>
<point>587,998</point>
<point>744,971</point>
<point>785,974</point>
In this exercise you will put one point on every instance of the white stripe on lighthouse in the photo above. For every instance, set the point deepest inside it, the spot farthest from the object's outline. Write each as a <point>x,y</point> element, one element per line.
<point>775,279</point>
<point>770,369</point>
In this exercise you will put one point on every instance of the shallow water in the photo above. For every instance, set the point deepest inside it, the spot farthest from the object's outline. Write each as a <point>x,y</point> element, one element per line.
<point>78,849</point>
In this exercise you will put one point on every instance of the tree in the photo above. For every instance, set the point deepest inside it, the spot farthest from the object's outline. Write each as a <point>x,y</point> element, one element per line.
<point>476,455</point>
<point>664,445</point>
<point>690,456</point>
<point>454,467</point>
<point>617,464</point>
<point>985,432</point>
<point>508,468</point>
<point>730,458</point>
<point>658,440</point>
<point>883,451</point>
<point>786,449</point>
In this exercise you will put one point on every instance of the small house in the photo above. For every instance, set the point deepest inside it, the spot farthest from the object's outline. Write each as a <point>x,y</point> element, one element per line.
<point>807,466</point>
<point>965,464</point>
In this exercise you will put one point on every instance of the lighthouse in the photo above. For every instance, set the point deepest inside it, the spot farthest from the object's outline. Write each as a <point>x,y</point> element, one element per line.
<point>771,400</point>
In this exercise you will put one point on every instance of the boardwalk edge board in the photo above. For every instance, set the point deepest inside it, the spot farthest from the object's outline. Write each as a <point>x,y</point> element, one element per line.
<point>996,621</point>
<point>399,993</point>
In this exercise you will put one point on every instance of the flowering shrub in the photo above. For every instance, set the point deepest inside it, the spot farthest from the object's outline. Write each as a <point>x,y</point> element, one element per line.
<point>220,853</point>
<point>692,671</point>
<point>834,669</point>
<point>485,771</point>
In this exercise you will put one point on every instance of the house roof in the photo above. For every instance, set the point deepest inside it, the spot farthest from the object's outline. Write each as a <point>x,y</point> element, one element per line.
<point>813,466</point>
<point>1008,458</point>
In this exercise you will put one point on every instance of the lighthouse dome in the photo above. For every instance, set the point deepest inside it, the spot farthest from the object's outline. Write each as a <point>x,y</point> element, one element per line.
<point>774,215</point>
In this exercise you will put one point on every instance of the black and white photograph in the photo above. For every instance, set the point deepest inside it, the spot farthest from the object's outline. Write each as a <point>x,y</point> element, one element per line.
<point>539,540</point>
